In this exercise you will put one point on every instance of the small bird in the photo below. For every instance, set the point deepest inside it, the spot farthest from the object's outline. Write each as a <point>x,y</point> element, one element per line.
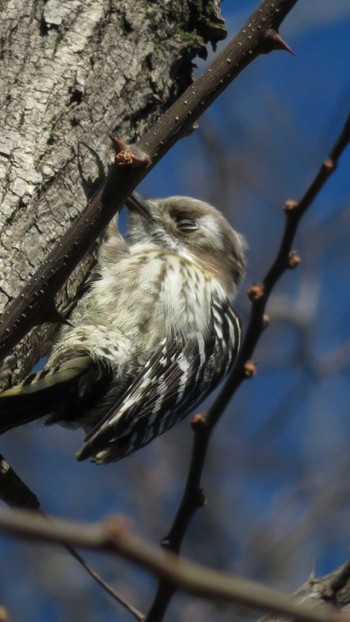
<point>152,335</point>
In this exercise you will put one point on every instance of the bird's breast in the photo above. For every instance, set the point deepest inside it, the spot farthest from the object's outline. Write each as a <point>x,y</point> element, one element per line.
<point>151,295</point>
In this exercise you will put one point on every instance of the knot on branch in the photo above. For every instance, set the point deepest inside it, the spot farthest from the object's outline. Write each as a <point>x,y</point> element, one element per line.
<point>249,369</point>
<point>198,422</point>
<point>293,260</point>
<point>129,155</point>
<point>115,528</point>
<point>329,165</point>
<point>290,206</point>
<point>255,292</point>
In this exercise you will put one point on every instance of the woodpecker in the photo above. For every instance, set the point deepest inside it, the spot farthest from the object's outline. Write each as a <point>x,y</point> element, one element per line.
<point>151,336</point>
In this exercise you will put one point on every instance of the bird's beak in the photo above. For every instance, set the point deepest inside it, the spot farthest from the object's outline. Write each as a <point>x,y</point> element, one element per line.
<point>136,202</point>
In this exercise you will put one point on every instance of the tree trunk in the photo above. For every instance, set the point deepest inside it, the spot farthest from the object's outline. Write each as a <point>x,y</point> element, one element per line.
<point>72,72</point>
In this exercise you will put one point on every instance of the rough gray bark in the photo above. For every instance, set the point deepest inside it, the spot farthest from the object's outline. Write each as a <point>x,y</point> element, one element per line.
<point>71,72</point>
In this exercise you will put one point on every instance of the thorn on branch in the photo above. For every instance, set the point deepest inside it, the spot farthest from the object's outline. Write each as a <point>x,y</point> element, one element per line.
<point>255,292</point>
<point>274,41</point>
<point>266,320</point>
<point>293,260</point>
<point>129,155</point>
<point>249,369</point>
<point>312,576</point>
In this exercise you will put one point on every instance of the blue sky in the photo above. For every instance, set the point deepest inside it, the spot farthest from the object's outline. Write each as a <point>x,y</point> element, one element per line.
<point>277,469</point>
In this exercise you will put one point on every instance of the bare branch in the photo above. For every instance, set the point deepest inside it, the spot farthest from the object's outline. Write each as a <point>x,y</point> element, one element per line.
<point>114,537</point>
<point>284,260</point>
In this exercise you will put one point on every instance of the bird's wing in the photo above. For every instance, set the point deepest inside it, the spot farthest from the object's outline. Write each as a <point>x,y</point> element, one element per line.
<point>174,381</point>
<point>40,393</point>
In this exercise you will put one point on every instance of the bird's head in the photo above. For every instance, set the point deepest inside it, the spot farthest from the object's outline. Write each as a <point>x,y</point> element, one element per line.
<point>192,228</point>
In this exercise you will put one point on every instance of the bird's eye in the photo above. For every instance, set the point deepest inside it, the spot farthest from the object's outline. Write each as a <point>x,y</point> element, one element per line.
<point>187,226</point>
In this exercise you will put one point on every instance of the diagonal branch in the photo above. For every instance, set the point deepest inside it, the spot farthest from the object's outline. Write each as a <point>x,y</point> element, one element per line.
<point>285,259</point>
<point>35,304</point>
<point>113,537</point>
<point>203,425</point>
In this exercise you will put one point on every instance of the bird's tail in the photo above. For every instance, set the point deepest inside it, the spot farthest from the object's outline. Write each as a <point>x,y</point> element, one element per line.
<point>44,392</point>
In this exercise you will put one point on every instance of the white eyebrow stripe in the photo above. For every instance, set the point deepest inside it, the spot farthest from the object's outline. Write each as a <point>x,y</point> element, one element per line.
<point>209,224</point>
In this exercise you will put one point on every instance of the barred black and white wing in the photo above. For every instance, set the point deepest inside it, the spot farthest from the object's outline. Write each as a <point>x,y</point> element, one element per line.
<point>175,380</point>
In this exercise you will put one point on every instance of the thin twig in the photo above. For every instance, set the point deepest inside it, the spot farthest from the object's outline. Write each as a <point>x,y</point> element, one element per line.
<point>113,537</point>
<point>204,424</point>
<point>105,586</point>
